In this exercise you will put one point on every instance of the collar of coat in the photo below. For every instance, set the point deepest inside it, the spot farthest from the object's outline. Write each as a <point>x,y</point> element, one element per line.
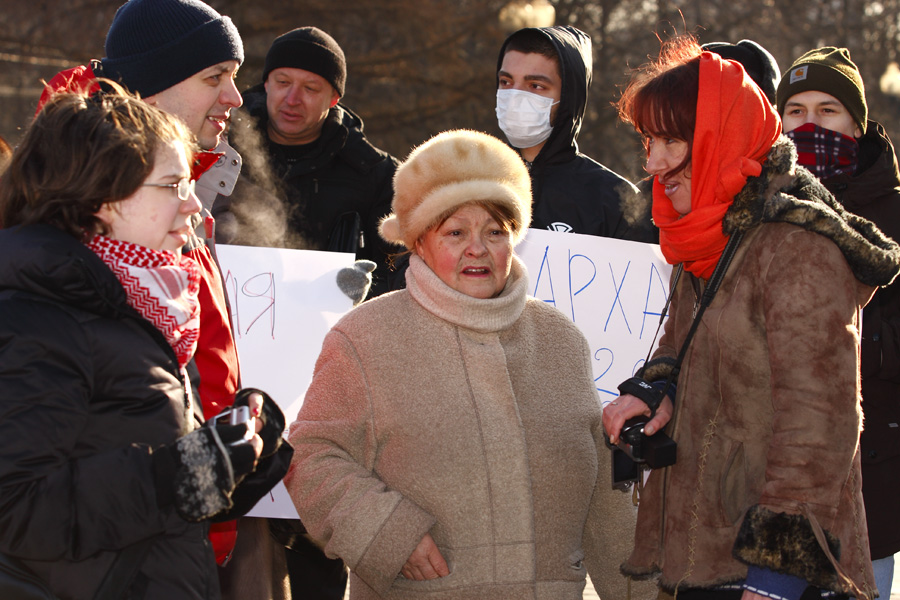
<point>786,192</point>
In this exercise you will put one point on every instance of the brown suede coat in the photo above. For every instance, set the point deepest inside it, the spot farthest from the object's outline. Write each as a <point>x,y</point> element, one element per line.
<point>474,420</point>
<point>767,413</point>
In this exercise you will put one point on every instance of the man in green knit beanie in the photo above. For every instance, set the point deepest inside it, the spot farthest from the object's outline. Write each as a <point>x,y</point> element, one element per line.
<point>822,101</point>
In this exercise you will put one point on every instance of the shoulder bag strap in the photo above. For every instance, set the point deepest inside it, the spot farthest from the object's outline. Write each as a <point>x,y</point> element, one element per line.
<point>705,300</point>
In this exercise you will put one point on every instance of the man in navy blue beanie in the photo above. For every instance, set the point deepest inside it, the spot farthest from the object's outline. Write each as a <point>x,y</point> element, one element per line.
<point>182,56</point>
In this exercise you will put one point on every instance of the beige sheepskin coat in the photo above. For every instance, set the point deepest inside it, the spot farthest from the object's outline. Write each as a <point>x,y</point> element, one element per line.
<point>767,414</point>
<point>474,420</point>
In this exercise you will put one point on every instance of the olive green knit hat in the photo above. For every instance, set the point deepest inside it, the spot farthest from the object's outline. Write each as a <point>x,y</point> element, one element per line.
<point>828,70</point>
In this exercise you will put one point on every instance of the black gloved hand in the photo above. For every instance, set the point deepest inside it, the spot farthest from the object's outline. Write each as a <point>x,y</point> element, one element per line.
<point>272,419</point>
<point>198,473</point>
<point>648,393</point>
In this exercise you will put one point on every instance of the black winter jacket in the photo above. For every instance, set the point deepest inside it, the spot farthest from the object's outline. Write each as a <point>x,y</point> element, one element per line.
<point>309,197</point>
<point>87,388</point>
<point>573,192</point>
<point>873,192</point>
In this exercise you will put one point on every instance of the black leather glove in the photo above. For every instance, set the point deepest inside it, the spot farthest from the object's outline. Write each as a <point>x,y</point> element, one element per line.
<point>198,473</point>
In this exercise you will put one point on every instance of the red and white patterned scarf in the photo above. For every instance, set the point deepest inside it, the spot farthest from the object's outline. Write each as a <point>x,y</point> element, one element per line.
<point>162,286</point>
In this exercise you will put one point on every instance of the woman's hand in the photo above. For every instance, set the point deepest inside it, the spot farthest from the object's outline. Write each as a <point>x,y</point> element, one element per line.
<point>626,407</point>
<point>748,595</point>
<point>425,562</point>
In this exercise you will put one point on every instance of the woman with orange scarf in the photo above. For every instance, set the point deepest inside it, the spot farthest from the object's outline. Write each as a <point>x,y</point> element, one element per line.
<point>764,498</point>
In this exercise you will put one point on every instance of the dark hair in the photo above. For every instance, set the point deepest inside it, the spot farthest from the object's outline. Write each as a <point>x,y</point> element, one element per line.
<point>80,153</point>
<point>533,41</point>
<point>661,98</point>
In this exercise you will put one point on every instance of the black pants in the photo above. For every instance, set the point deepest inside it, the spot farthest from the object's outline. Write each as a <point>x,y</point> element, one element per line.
<point>313,575</point>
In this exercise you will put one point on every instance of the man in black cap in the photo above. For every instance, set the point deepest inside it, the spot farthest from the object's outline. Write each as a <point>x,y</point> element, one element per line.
<point>313,180</point>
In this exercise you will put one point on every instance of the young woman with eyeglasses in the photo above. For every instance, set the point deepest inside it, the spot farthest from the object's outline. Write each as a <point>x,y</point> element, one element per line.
<point>105,471</point>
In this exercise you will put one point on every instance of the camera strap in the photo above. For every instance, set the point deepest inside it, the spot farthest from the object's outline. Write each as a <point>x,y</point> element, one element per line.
<point>705,300</point>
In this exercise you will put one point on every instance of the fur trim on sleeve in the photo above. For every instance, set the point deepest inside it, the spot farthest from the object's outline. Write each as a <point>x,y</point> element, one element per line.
<point>657,369</point>
<point>785,543</point>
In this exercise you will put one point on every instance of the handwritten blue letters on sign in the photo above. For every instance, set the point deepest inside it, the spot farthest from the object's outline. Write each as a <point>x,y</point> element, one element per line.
<point>614,290</point>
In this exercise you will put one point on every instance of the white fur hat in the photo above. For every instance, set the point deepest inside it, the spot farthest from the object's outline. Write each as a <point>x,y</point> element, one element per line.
<point>452,169</point>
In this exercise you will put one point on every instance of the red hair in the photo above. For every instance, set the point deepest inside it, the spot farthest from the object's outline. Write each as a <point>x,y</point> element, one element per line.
<point>661,99</point>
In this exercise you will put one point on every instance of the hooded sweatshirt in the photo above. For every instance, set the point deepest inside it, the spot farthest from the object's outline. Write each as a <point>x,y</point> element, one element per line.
<point>572,192</point>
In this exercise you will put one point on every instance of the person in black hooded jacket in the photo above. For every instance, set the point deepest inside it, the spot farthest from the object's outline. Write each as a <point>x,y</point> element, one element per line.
<point>312,179</point>
<point>543,77</point>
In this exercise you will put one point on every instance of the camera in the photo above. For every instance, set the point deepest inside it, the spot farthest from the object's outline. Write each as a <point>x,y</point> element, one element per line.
<point>236,415</point>
<point>636,451</point>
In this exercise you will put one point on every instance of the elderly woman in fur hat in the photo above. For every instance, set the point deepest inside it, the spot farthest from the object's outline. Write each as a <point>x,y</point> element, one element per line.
<point>448,444</point>
<point>764,500</point>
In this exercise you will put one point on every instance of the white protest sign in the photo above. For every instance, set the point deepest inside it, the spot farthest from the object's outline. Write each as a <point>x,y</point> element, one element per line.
<point>283,302</point>
<point>614,290</point>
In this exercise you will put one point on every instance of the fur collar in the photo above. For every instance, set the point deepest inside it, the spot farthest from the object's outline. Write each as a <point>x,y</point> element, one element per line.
<point>786,192</point>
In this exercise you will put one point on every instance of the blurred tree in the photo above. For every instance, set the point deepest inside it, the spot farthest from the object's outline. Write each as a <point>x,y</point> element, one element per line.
<point>417,67</point>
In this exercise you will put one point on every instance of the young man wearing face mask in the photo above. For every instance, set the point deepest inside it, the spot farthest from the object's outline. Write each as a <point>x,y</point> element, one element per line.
<point>543,77</point>
<point>822,101</point>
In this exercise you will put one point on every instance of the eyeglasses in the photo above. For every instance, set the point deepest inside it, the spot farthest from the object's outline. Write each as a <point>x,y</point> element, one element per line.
<point>184,187</point>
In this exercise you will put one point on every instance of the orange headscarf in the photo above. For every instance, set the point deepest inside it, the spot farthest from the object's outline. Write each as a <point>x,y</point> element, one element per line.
<point>736,126</point>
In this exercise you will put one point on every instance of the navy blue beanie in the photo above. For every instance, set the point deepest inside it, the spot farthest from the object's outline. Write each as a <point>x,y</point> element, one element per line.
<point>310,49</point>
<point>154,44</point>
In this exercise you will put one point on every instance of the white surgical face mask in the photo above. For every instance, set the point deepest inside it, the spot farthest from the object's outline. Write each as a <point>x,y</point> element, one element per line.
<point>524,117</point>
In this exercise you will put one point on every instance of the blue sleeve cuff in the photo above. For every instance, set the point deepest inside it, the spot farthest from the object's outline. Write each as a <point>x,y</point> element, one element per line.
<point>774,585</point>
